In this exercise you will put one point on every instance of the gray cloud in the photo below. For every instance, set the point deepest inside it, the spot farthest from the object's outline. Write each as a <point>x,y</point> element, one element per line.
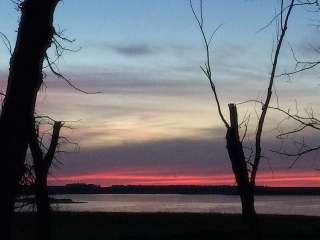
<point>126,49</point>
<point>179,155</point>
<point>173,157</point>
<point>133,50</point>
<point>140,48</point>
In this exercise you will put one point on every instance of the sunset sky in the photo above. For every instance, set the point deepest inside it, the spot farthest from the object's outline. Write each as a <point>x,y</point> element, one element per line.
<point>155,121</point>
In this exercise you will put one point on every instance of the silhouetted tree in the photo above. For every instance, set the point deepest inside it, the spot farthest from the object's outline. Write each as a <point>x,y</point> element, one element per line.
<point>302,122</point>
<point>34,37</point>
<point>42,163</point>
<point>244,171</point>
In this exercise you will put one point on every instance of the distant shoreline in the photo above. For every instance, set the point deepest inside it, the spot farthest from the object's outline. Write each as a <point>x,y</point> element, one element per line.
<point>31,200</point>
<point>172,189</point>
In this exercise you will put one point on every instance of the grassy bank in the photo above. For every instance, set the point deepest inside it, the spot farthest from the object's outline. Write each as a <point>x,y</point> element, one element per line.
<point>185,226</point>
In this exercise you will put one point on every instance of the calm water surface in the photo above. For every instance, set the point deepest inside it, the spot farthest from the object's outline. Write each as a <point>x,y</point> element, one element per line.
<point>296,205</point>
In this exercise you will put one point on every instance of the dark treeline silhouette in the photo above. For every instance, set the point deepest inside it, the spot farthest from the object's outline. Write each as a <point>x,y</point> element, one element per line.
<point>81,188</point>
<point>34,37</point>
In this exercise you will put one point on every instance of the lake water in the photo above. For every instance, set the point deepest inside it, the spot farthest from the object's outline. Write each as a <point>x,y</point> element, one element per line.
<point>296,205</point>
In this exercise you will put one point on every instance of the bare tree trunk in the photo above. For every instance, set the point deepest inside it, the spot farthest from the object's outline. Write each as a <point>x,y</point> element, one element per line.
<point>25,78</point>
<point>240,171</point>
<point>43,209</point>
<point>41,166</point>
<point>42,200</point>
<point>239,164</point>
<point>247,201</point>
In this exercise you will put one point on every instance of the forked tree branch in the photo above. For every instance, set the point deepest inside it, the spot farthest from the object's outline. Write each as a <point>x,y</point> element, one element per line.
<point>207,69</point>
<point>283,30</point>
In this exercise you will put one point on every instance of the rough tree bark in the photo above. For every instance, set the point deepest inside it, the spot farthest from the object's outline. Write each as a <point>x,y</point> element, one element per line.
<point>34,37</point>
<point>42,165</point>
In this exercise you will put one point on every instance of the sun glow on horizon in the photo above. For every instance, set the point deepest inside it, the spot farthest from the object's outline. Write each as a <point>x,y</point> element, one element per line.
<point>284,179</point>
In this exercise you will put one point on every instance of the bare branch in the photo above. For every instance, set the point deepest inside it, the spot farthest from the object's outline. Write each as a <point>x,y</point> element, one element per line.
<point>207,66</point>
<point>6,42</point>
<point>59,75</point>
<point>300,65</point>
<point>284,8</point>
<point>298,154</point>
<point>269,94</point>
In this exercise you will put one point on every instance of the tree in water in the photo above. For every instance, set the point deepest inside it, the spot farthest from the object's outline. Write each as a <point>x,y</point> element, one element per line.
<point>34,37</point>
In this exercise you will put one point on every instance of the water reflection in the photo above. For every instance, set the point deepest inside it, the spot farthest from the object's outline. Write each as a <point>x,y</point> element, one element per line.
<point>297,205</point>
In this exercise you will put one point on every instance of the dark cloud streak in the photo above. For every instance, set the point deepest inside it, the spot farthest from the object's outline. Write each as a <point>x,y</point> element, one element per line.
<point>134,50</point>
<point>180,156</point>
<point>140,49</point>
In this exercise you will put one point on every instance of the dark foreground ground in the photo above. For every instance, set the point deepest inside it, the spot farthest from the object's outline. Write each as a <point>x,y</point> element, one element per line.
<point>185,226</point>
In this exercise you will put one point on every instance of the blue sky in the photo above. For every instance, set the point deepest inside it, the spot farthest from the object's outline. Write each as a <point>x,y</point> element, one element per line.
<point>156,23</point>
<point>144,56</point>
<point>165,28</point>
